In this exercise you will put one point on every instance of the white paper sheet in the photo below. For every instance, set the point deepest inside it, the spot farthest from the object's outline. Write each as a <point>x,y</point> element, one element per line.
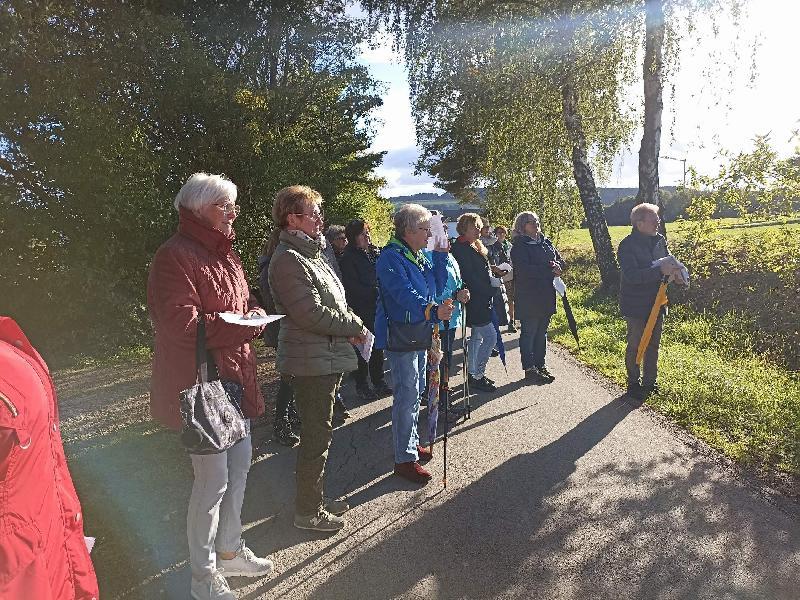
<point>254,322</point>
<point>365,349</point>
<point>561,287</point>
<point>438,231</point>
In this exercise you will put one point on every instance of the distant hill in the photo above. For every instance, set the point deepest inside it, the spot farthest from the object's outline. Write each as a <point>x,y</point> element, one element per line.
<point>446,201</point>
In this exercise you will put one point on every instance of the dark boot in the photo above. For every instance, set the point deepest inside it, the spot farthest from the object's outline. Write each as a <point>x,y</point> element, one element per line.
<point>283,434</point>
<point>365,393</point>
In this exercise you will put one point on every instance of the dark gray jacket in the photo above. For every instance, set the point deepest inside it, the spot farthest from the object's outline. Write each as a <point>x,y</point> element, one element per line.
<point>639,280</point>
<point>534,295</point>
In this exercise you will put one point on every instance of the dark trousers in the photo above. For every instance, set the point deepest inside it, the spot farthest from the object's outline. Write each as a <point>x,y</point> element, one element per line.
<point>284,398</point>
<point>314,397</point>
<point>649,369</point>
<point>533,341</point>
<point>447,357</point>
<point>374,368</point>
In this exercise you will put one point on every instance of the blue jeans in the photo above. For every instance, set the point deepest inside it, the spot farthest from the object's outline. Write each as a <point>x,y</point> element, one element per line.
<point>482,339</point>
<point>408,385</point>
<point>533,341</point>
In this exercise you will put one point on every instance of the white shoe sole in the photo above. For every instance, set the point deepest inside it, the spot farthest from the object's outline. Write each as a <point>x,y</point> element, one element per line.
<point>228,573</point>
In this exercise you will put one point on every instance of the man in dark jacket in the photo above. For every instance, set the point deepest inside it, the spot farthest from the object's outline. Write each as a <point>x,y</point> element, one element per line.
<point>643,263</point>
<point>357,264</point>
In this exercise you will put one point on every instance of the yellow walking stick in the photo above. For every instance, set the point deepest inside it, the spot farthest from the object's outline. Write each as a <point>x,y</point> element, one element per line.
<point>661,300</point>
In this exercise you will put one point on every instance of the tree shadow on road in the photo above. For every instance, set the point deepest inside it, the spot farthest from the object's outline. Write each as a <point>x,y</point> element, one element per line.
<point>527,521</point>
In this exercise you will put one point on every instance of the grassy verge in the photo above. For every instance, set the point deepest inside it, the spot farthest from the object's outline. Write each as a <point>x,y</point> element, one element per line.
<point>710,382</point>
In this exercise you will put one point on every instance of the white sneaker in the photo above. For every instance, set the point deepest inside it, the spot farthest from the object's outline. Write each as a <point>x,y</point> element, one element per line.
<point>245,564</point>
<point>212,588</point>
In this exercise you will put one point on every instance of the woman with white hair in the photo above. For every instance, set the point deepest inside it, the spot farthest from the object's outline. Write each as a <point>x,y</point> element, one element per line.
<point>536,263</point>
<point>407,287</point>
<point>194,274</point>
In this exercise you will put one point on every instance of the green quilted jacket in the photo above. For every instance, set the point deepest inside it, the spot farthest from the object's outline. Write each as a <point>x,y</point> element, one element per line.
<point>313,334</point>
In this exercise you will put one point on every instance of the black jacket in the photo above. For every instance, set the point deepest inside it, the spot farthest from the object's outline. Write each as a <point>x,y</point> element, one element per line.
<point>270,335</point>
<point>534,294</point>
<point>360,282</point>
<point>639,280</point>
<point>475,274</point>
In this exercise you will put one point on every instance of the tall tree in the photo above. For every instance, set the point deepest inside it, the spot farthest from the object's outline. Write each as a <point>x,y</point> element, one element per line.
<point>520,97</point>
<point>104,111</point>
<point>652,77</point>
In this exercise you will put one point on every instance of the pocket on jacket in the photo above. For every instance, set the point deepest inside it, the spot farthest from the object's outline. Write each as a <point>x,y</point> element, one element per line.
<point>19,548</point>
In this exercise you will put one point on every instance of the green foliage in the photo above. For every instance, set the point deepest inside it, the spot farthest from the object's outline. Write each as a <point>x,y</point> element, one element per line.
<point>714,378</point>
<point>675,204</point>
<point>104,112</point>
<point>754,185</point>
<point>487,85</point>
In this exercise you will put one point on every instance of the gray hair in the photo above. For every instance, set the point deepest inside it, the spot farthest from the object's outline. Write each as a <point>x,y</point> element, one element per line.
<point>638,212</point>
<point>521,220</point>
<point>410,216</point>
<point>333,232</point>
<point>202,189</point>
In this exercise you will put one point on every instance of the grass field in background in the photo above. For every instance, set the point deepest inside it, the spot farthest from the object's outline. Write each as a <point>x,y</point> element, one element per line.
<point>731,398</point>
<point>579,238</point>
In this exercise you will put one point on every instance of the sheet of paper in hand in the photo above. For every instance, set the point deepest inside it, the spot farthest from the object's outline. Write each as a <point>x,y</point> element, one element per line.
<point>365,349</point>
<point>248,322</point>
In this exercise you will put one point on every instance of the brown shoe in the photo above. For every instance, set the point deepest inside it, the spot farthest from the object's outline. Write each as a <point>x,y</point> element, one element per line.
<point>413,472</point>
<point>425,453</point>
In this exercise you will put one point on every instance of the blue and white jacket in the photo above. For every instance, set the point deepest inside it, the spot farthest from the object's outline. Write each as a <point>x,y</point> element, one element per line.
<point>407,283</point>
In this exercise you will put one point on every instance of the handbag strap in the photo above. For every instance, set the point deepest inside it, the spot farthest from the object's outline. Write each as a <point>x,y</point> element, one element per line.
<point>385,312</point>
<point>201,356</point>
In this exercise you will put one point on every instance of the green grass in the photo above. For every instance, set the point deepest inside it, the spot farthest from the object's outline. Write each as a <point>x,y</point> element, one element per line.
<point>579,238</point>
<point>711,381</point>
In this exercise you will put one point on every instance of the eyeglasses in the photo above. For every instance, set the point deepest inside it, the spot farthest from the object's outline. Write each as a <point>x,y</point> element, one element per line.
<point>315,216</point>
<point>230,209</point>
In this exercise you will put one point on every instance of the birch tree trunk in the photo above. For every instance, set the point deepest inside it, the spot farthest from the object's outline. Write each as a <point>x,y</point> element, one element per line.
<point>652,72</point>
<point>584,179</point>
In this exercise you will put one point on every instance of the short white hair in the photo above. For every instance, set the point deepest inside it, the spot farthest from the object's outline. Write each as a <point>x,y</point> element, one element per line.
<point>410,216</point>
<point>521,220</point>
<point>640,210</point>
<point>202,189</point>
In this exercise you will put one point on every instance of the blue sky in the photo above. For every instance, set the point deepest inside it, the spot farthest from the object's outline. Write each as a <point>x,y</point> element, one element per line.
<point>714,109</point>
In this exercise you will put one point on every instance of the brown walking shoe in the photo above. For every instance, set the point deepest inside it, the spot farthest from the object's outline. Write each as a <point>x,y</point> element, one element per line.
<point>413,472</point>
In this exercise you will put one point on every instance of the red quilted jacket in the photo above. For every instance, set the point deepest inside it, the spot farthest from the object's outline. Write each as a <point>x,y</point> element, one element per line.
<point>43,555</point>
<point>194,271</point>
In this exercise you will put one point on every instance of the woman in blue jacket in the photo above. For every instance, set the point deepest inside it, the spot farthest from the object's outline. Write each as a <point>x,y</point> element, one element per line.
<point>408,284</point>
<point>536,263</point>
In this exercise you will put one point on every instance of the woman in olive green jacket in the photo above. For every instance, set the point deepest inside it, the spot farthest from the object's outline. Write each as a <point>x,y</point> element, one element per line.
<point>314,343</point>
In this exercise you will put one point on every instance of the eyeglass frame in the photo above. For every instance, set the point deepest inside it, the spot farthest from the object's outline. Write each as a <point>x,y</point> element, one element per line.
<point>318,216</point>
<point>235,209</point>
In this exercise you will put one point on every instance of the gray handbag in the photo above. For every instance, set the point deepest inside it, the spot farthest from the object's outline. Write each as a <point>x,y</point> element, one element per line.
<point>211,410</point>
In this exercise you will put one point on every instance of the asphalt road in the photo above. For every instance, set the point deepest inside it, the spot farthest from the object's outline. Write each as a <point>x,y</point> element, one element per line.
<point>553,491</point>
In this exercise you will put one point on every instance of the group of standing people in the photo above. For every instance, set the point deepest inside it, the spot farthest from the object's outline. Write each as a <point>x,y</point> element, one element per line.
<point>334,293</point>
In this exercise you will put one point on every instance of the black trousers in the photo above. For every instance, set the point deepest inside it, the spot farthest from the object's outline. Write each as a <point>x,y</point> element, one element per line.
<point>374,369</point>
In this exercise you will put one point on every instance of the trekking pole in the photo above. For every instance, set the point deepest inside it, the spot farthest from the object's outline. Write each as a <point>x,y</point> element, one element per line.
<point>444,389</point>
<point>465,370</point>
